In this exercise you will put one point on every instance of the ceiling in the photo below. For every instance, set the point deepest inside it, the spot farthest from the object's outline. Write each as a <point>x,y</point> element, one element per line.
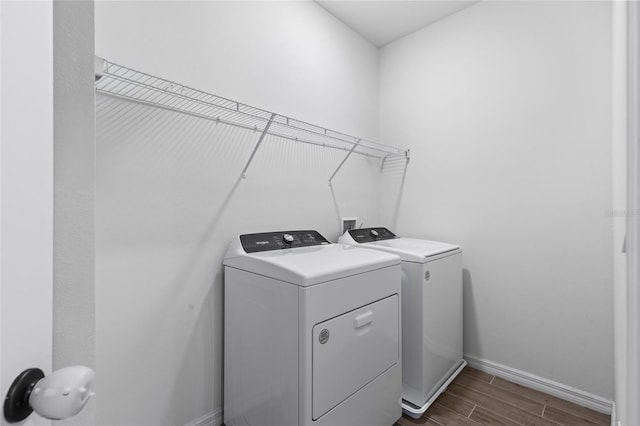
<point>383,21</point>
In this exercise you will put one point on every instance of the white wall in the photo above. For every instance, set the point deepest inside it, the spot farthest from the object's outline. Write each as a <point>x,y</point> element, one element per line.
<point>506,107</point>
<point>26,176</point>
<point>289,57</point>
<point>166,208</point>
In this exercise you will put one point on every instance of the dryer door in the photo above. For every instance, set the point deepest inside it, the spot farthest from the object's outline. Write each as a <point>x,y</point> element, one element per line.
<point>353,349</point>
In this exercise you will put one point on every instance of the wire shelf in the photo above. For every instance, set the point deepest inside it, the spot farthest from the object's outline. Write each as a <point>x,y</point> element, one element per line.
<point>135,86</point>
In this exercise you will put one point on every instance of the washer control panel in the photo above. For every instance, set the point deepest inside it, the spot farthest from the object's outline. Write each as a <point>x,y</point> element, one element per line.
<point>266,241</point>
<point>367,235</point>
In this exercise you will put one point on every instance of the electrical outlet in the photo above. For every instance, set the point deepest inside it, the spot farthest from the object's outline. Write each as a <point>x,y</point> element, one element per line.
<point>348,223</point>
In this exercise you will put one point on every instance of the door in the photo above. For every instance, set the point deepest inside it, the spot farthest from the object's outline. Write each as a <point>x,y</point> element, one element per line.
<point>351,350</point>
<point>26,191</point>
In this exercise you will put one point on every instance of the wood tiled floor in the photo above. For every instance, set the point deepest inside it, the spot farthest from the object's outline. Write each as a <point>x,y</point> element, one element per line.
<point>475,398</point>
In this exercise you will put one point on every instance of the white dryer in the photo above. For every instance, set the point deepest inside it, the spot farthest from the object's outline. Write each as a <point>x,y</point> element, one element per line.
<point>431,312</point>
<point>311,333</point>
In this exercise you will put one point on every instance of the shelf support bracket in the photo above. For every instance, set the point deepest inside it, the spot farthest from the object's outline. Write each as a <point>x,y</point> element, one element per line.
<point>243,174</point>
<point>99,66</point>
<point>344,160</point>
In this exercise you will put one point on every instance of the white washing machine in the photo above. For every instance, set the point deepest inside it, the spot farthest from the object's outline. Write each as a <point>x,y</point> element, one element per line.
<point>311,333</point>
<point>431,312</point>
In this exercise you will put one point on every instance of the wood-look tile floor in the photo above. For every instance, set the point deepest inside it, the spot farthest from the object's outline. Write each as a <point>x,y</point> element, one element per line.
<point>477,398</point>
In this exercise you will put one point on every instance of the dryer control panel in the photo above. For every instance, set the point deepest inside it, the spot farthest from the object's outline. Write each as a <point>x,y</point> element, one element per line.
<point>266,241</point>
<point>367,235</point>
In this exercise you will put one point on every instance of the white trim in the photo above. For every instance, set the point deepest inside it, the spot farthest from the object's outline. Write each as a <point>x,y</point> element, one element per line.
<point>541,384</point>
<point>416,413</point>
<point>630,411</point>
<point>619,90</point>
<point>614,417</point>
<point>213,418</point>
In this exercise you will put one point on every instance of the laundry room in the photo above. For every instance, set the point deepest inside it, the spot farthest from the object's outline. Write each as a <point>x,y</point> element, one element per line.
<point>498,128</point>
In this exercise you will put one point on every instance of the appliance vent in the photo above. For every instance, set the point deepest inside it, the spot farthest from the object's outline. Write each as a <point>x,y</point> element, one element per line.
<point>324,336</point>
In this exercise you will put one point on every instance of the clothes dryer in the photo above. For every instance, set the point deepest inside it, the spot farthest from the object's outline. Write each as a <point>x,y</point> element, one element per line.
<point>431,312</point>
<point>311,333</point>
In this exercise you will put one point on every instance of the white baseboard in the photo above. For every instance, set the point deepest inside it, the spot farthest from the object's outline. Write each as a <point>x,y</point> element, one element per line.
<point>214,418</point>
<point>541,384</point>
<point>614,416</point>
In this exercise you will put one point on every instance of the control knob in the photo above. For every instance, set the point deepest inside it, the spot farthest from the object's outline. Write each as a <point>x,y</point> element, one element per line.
<point>288,238</point>
<point>374,233</point>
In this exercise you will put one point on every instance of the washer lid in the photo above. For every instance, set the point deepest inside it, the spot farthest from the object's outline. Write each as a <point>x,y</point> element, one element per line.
<point>309,265</point>
<point>413,249</point>
<point>409,249</point>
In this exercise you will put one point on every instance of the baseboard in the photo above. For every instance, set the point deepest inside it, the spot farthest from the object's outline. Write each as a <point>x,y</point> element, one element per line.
<point>214,418</point>
<point>614,415</point>
<point>541,384</point>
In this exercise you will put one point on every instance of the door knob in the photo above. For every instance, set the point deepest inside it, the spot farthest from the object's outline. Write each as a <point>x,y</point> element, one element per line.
<point>59,395</point>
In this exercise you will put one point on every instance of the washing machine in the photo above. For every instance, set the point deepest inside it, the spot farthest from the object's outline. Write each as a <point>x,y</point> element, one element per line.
<point>431,312</point>
<point>311,332</point>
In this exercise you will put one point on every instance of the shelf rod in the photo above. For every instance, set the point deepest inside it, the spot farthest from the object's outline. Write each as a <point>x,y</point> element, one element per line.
<point>344,160</point>
<point>224,108</point>
<point>226,122</point>
<point>134,86</point>
<point>216,119</point>
<point>255,148</point>
<point>204,103</point>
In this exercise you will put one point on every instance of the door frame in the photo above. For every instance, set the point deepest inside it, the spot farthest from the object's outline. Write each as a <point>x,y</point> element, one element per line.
<point>631,380</point>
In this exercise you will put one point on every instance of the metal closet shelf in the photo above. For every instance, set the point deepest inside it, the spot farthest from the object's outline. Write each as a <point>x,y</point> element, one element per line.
<point>135,86</point>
